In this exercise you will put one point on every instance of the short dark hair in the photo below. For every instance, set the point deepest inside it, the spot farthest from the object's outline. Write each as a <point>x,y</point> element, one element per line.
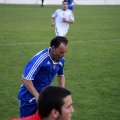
<point>58,40</point>
<point>65,0</point>
<point>51,98</point>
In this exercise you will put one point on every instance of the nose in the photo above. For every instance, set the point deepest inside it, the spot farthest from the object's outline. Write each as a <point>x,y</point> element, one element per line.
<point>72,109</point>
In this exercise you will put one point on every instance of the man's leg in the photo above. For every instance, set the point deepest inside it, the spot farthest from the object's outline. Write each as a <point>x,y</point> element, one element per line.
<point>59,32</point>
<point>42,3</point>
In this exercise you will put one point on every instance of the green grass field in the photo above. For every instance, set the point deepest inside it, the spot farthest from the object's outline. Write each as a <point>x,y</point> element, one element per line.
<point>92,66</point>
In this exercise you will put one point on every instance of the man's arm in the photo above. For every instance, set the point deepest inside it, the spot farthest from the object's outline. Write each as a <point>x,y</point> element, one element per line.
<point>74,2</point>
<point>29,85</point>
<point>61,81</point>
<point>53,21</point>
<point>69,21</point>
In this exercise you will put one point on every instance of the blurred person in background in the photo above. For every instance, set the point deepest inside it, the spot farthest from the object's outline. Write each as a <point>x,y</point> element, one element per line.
<point>42,3</point>
<point>70,4</point>
<point>61,19</point>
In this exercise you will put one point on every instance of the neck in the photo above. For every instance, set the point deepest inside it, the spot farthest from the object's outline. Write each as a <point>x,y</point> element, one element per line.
<point>48,118</point>
<point>64,9</point>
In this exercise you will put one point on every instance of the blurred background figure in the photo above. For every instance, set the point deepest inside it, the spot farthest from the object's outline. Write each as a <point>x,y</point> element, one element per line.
<point>42,3</point>
<point>70,4</point>
<point>61,19</point>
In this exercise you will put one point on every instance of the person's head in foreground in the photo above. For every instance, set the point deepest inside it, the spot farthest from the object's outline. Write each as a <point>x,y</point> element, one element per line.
<point>65,5</point>
<point>55,103</point>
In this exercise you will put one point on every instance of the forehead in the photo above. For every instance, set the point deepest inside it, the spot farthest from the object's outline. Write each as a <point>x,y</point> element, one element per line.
<point>67,100</point>
<point>65,3</point>
<point>62,47</point>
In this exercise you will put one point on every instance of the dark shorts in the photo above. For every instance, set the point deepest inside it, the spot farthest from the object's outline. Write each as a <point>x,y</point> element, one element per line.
<point>27,108</point>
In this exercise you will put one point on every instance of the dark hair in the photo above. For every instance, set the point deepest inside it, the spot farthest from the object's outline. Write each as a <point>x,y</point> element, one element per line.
<point>58,40</point>
<point>65,0</point>
<point>51,98</point>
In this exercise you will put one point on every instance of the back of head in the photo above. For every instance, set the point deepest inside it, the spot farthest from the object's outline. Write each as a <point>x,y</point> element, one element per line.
<point>51,98</point>
<point>58,40</point>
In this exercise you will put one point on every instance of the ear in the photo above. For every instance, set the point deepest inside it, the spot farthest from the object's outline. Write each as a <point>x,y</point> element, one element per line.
<point>53,47</point>
<point>54,113</point>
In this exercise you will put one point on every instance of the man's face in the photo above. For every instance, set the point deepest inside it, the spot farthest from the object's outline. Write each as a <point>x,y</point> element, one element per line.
<point>58,53</point>
<point>67,109</point>
<point>64,5</point>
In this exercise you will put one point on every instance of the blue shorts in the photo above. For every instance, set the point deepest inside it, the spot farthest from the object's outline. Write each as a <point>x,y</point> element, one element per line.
<point>70,7</point>
<point>27,108</point>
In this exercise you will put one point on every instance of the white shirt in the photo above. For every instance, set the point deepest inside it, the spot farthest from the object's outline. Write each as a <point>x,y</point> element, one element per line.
<point>59,14</point>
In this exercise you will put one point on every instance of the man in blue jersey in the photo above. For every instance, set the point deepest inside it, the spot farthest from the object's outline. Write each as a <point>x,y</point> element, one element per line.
<point>70,4</point>
<point>61,19</point>
<point>39,72</point>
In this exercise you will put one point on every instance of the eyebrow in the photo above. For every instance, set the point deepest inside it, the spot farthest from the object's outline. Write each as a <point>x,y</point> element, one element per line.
<point>70,105</point>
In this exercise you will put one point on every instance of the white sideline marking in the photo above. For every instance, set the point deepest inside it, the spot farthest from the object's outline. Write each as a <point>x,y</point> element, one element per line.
<point>116,40</point>
<point>8,44</point>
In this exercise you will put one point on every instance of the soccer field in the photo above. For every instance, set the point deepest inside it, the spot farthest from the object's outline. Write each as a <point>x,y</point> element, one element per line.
<point>92,67</point>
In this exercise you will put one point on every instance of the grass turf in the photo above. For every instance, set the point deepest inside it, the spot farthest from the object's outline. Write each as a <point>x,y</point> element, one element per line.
<point>92,66</point>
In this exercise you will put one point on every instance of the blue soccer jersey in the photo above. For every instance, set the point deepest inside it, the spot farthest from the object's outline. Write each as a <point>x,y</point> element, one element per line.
<point>41,69</point>
<point>70,6</point>
<point>70,2</point>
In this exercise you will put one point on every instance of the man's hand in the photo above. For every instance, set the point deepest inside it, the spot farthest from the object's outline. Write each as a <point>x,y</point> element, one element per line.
<point>68,21</point>
<point>36,97</point>
<point>64,20</point>
<point>53,24</point>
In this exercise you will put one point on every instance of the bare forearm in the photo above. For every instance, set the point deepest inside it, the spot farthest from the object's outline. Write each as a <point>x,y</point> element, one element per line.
<point>69,21</point>
<point>29,85</point>
<point>61,81</point>
<point>53,21</point>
